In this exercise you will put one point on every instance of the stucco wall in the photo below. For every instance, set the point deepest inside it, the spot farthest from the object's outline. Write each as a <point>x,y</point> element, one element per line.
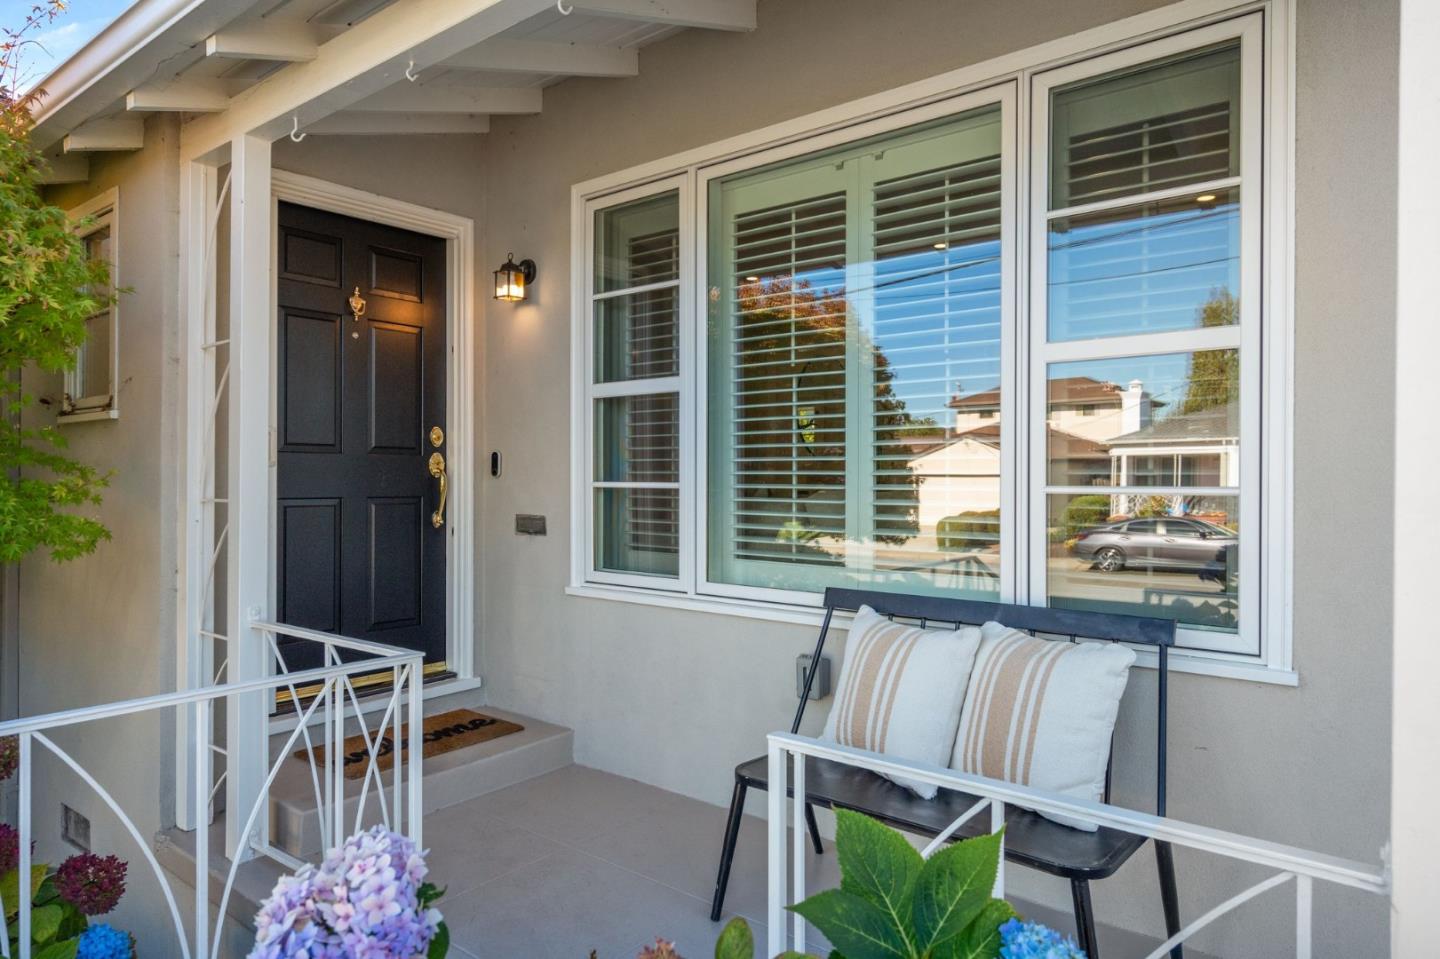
<point>102,628</point>
<point>676,698</point>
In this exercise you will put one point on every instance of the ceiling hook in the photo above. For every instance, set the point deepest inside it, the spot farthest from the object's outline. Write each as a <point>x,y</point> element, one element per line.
<point>410,73</point>
<point>295,134</point>
<point>564,10</point>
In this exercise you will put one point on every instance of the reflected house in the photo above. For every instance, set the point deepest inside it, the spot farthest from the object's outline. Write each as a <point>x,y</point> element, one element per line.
<point>1200,448</point>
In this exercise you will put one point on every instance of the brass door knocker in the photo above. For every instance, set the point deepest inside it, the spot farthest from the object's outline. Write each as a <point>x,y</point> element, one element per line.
<point>357,307</point>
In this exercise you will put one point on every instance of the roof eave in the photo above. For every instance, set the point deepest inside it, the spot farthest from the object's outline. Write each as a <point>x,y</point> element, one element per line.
<point>119,57</point>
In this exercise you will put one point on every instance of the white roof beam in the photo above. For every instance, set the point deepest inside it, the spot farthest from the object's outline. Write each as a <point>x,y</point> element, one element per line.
<point>181,96</point>
<point>109,133</point>
<point>414,98</point>
<point>66,168</point>
<point>360,62</point>
<point>530,56</point>
<point>361,124</point>
<point>704,14</point>
<point>284,40</point>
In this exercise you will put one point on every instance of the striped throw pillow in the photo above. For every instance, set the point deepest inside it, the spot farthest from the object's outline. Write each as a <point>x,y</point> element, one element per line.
<point>900,691</point>
<point>1041,712</point>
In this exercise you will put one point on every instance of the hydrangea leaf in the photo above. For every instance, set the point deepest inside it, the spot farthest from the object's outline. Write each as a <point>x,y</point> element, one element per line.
<point>953,888</point>
<point>65,949</point>
<point>877,864</point>
<point>981,939</point>
<point>440,944</point>
<point>735,941</point>
<point>858,926</point>
<point>10,887</point>
<point>45,922</point>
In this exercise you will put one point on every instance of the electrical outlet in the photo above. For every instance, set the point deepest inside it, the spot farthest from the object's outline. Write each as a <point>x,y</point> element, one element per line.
<point>74,828</point>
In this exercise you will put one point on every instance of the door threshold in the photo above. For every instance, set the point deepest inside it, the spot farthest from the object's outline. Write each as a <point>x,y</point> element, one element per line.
<point>442,684</point>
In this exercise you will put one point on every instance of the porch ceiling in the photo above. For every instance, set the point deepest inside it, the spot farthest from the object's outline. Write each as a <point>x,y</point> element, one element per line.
<point>339,66</point>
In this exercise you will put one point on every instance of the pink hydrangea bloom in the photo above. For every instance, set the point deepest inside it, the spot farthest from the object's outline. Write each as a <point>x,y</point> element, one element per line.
<point>362,901</point>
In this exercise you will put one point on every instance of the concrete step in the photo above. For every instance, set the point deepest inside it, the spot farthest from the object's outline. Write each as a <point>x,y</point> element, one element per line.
<point>450,778</point>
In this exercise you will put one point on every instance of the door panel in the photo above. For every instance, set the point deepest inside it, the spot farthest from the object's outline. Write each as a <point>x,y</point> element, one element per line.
<point>357,552</point>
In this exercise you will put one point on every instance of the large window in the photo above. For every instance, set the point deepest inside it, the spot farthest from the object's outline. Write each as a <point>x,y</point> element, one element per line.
<point>844,362</point>
<point>854,306</point>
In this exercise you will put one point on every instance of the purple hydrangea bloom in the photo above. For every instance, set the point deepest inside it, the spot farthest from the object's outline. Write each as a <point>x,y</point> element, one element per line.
<point>363,901</point>
<point>1030,940</point>
<point>9,848</point>
<point>92,884</point>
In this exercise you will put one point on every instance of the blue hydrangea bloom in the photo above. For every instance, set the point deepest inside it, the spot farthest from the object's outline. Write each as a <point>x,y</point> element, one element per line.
<point>1030,940</point>
<point>103,942</point>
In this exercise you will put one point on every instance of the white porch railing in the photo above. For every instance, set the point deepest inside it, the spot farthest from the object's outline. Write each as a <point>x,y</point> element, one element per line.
<point>324,697</point>
<point>1290,863</point>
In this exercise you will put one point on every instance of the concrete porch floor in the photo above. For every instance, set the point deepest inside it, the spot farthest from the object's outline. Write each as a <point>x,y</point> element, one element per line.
<point>579,860</point>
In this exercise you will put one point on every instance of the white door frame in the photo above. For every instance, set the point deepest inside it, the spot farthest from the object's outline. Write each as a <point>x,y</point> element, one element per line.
<point>458,232</point>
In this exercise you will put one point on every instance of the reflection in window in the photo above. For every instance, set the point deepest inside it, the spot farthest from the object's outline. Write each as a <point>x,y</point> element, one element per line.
<point>1144,236</point>
<point>854,401</point>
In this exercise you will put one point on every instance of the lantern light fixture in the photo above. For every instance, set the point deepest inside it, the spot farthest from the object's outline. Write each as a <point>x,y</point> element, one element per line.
<point>513,279</point>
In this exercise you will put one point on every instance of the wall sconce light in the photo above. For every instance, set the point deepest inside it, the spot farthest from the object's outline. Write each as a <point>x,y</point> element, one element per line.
<point>512,279</point>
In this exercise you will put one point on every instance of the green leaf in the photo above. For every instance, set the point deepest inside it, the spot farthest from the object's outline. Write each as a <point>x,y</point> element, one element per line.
<point>440,944</point>
<point>879,865</point>
<point>855,925</point>
<point>44,923</point>
<point>735,941</point>
<point>954,886</point>
<point>981,939</point>
<point>59,950</point>
<point>10,887</point>
<point>428,893</point>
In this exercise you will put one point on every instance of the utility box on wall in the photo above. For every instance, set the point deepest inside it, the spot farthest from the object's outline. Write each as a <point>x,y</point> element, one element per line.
<point>821,687</point>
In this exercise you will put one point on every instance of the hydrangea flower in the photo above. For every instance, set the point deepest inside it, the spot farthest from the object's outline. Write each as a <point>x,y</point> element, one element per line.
<point>9,756</point>
<point>1030,940</point>
<point>364,900</point>
<point>105,942</point>
<point>92,884</point>
<point>9,848</point>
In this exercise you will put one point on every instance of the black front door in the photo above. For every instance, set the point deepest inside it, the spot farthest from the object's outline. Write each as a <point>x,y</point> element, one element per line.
<point>361,415</point>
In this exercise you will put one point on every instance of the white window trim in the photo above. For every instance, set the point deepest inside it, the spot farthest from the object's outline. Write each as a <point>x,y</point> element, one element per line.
<point>105,211</point>
<point>849,121</point>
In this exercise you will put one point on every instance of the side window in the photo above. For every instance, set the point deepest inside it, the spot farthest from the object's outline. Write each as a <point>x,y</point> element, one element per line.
<point>90,388</point>
<point>1141,526</point>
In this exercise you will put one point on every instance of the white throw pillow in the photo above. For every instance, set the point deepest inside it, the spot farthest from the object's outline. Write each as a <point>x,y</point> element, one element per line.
<point>1041,712</point>
<point>900,691</point>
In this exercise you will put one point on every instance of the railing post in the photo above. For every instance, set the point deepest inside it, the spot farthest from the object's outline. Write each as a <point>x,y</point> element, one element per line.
<point>1304,905</point>
<point>997,823</point>
<point>336,748</point>
<point>775,797</point>
<point>798,835</point>
<point>416,750</point>
<point>25,894</point>
<point>200,724</point>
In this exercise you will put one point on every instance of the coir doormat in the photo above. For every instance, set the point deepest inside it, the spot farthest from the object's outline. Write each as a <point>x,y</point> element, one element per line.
<point>440,734</point>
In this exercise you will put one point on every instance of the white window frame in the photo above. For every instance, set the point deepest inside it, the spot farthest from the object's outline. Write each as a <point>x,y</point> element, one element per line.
<point>1182,24</point>
<point>91,217</point>
<point>591,391</point>
<point>1244,337</point>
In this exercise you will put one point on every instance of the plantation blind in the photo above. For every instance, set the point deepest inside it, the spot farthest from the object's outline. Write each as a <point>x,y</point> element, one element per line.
<point>851,294</point>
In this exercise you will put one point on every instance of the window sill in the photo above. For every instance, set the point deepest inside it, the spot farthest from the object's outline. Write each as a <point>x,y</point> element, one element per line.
<point>86,416</point>
<point>1181,661</point>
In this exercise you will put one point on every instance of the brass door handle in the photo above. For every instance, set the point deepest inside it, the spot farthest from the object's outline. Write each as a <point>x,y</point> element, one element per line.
<point>437,470</point>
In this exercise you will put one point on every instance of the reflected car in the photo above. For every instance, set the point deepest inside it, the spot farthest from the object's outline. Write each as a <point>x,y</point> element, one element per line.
<point>1163,542</point>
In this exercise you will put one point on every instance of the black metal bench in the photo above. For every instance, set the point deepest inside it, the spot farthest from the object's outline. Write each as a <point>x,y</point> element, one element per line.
<point>1030,839</point>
